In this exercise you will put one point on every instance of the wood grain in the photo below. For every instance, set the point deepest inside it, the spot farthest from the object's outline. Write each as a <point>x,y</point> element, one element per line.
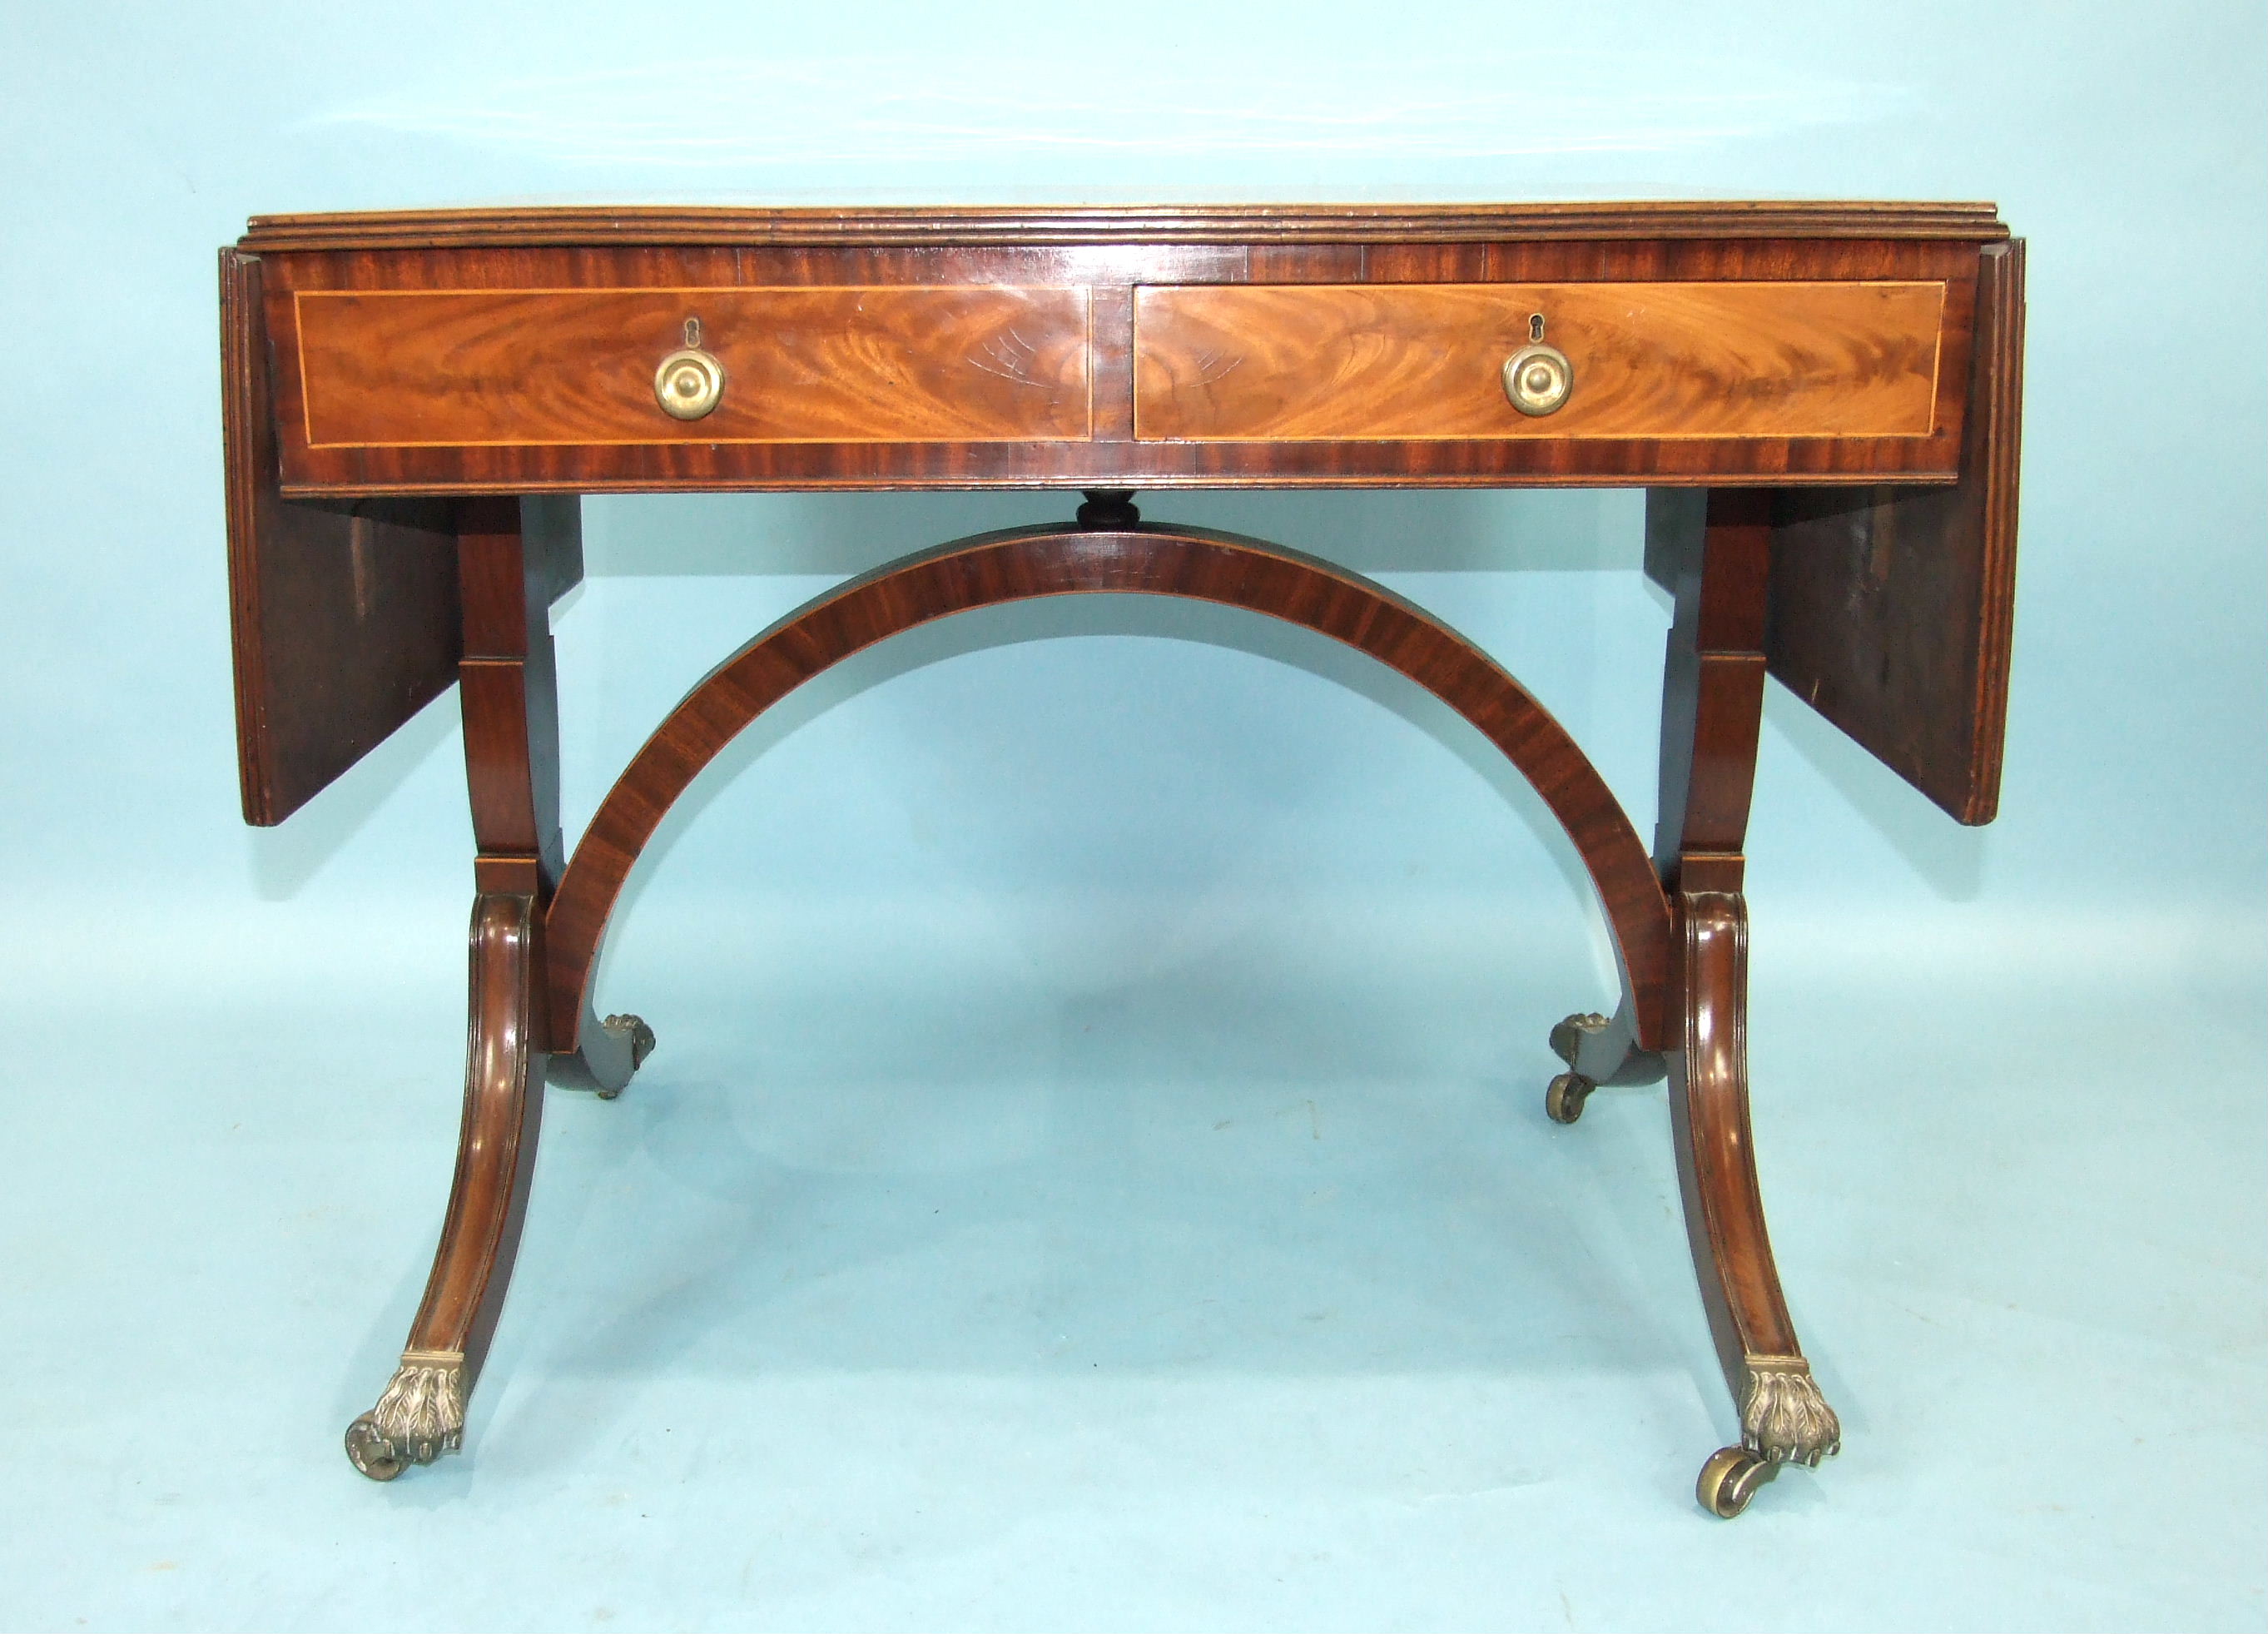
<point>1650,360</point>
<point>344,614</point>
<point>344,593</point>
<point>1766,353</point>
<point>1893,609</point>
<point>1714,554</point>
<point>503,1110</point>
<point>1145,223</point>
<point>1080,266</point>
<point>523,368</point>
<point>1716,1146</point>
<point>995,569</point>
<point>506,681</point>
<point>1112,270</point>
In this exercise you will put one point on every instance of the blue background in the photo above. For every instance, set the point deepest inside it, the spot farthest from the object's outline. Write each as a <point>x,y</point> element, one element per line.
<point>1092,1175</point>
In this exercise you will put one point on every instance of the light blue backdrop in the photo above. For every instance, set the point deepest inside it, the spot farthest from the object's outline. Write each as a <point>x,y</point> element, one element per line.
<point>1093,1174</point>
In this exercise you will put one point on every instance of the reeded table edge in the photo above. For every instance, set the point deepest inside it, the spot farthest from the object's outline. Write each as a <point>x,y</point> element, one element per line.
<point>575,226</point>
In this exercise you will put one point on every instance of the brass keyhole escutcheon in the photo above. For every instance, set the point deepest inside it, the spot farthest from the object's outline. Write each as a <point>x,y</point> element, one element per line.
<point>691,382</point>
<point>1538,377</point>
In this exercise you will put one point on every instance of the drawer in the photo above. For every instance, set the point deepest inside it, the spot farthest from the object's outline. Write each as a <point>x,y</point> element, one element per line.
<point>1292,362</point>
<point>411,369</point>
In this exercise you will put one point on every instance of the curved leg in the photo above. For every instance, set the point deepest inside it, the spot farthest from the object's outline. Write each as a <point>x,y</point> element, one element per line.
<point>1713,553</point>
<point>1784,1418</point>
<point>422,1413</point>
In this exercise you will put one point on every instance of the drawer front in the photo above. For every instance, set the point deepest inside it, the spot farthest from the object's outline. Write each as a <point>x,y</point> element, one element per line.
<point>1292,363</point>
<point>421,369</point>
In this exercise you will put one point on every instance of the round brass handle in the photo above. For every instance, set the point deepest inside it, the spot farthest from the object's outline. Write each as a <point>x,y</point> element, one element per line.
<point>688,384</point>
<point>1538,379</point>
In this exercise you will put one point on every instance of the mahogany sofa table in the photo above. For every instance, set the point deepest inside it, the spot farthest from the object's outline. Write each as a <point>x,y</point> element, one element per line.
<point>1823,400</point>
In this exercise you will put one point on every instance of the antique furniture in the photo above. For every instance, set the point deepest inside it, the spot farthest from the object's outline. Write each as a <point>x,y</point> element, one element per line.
<point>1823,399</point>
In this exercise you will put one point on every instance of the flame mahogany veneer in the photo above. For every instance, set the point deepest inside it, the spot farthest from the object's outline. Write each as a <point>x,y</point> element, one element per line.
<point>1823,397</point>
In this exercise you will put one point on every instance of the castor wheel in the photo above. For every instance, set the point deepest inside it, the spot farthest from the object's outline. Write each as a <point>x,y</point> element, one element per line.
<point>1564,1096</point>
<point>1730,1479</point>
<point>371,1453</point>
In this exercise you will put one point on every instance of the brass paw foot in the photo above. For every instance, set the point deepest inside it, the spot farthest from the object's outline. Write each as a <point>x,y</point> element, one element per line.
<point>1567,1037</point>
<point>421,1416</point>
<point>640,1036</point>
<point>1784,1421</point>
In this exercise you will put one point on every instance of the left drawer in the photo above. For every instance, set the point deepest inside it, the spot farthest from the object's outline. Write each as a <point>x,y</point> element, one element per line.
<point>547,368</point>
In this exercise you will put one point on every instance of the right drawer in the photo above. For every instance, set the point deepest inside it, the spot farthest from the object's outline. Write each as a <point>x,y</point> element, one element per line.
<point>1383,362</point>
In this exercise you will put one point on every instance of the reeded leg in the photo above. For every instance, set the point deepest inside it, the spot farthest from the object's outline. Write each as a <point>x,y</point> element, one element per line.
<point>422,1413</point>
<point>1784,1418</point>
<point>1712,552</point>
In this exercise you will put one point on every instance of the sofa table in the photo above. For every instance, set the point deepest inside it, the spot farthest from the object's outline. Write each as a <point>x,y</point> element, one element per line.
<point>1821,399</point>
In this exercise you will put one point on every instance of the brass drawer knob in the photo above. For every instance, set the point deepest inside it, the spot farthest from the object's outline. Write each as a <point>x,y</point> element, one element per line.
<point>1538,379</point>
<point>691,382</point>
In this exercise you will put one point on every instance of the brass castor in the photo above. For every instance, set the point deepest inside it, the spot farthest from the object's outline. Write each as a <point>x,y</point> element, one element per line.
<point>371,1453</point>
<point>1730,1479</point>
<point>1564,1096</point>
<point>641,1037</point>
